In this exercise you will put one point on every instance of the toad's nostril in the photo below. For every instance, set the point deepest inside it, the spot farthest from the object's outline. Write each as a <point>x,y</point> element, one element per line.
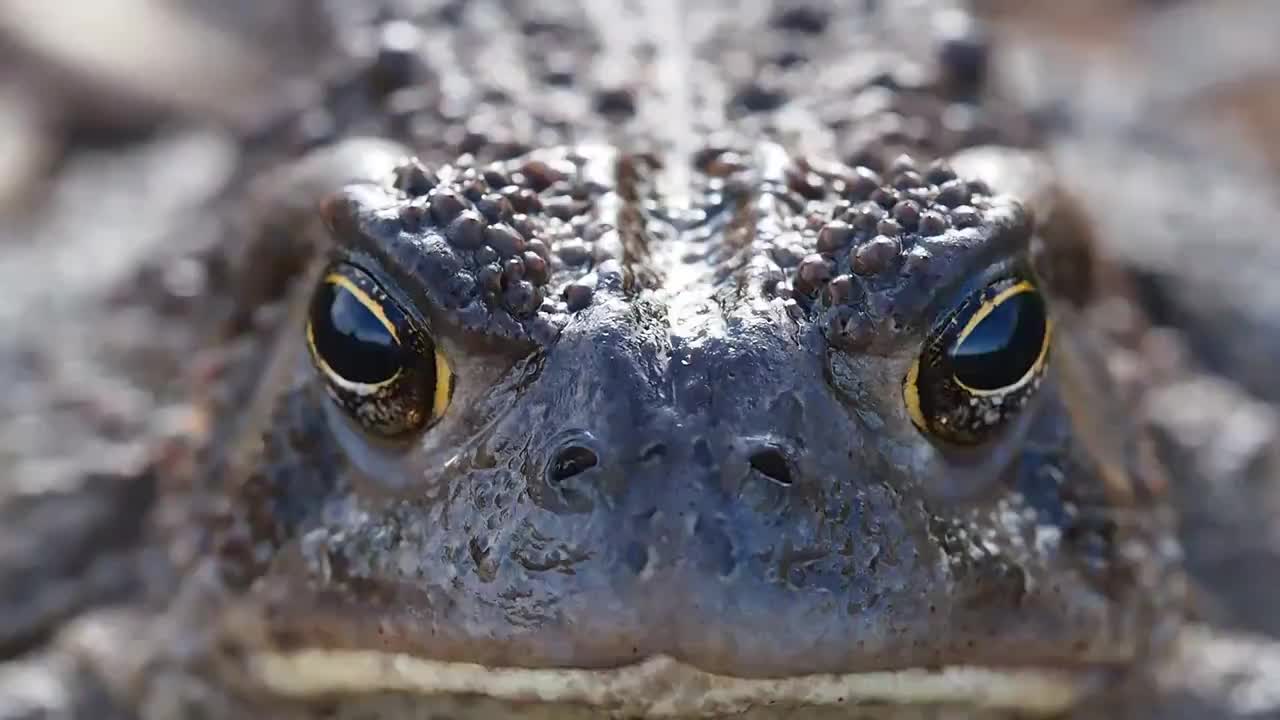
<point>771,463</point>
<point>570,461</point>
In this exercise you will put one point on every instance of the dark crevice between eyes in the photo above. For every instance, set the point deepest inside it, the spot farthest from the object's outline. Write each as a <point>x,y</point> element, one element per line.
<point>771,463</point>
<point>571,461</point>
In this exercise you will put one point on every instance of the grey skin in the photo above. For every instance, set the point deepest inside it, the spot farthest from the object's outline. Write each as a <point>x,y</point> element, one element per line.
<point>705,472</point>
<point>678,428</point>
<point>759,474</point>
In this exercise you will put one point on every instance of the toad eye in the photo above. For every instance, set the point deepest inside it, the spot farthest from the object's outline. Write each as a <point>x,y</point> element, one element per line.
<point>981,364</point>
<point>378,362</point>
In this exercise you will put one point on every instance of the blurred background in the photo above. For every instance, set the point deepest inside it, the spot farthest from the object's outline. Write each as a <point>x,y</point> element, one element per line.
<point>121,126</point>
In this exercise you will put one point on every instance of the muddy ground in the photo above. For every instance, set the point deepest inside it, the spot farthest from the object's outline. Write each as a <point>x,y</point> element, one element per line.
<point>117,132</point>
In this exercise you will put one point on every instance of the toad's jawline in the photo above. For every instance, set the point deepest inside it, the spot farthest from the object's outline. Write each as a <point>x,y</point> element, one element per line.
<point>664,687</point>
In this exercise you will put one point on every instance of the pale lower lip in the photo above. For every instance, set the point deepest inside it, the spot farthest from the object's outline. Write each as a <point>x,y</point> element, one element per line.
<point>661,686</point>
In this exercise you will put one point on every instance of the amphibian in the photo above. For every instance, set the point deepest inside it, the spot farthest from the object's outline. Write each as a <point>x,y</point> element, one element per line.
<point>666,359</point>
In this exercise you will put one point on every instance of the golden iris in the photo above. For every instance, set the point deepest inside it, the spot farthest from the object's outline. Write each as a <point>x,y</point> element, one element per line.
<point>981,363</point>
<point>378,362</point>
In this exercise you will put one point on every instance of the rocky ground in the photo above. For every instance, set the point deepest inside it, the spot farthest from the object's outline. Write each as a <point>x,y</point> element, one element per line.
<point>115,146</point>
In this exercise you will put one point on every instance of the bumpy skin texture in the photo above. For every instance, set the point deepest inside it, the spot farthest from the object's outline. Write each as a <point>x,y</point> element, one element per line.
<point>755,461</point>
<point>715,286</point>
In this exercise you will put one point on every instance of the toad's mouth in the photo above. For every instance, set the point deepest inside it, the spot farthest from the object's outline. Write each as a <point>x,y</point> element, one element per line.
<point>664,687</point>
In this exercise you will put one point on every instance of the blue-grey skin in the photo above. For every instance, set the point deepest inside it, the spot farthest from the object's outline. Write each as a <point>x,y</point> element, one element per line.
<point>724,323</point>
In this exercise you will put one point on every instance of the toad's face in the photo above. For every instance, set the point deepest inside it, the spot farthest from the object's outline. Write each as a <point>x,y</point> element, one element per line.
<point>563,436</point>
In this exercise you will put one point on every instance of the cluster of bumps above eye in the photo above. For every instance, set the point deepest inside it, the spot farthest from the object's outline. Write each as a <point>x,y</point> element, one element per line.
<point>515,231</point>
<point>840,243</point>
<point>874,226</point>
<point>853,255</point>
<point>531,241</point>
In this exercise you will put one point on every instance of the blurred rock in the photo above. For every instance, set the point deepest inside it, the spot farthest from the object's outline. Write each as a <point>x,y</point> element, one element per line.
<point>131,55</point>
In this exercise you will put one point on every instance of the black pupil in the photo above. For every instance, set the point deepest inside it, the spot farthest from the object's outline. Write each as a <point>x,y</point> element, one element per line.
<point>1004,346</point>
<point>350,338</point>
